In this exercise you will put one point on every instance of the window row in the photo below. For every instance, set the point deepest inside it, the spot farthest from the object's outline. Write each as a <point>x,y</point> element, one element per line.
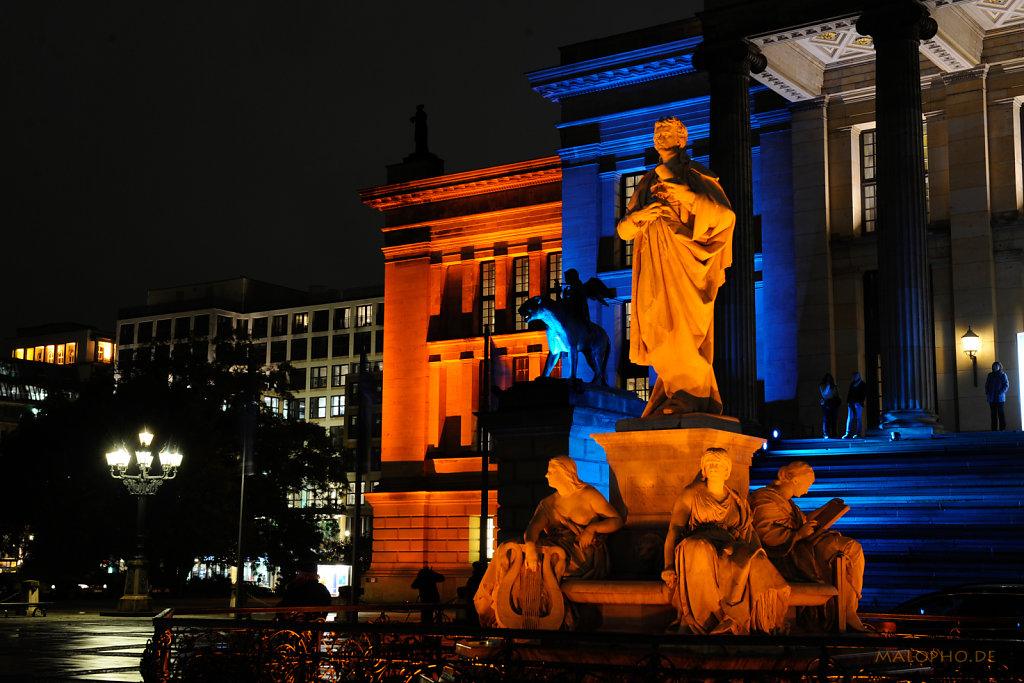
<point>295,409</point>
<point>519,290</point>
<point>63,354</point>
<point>185,327</point>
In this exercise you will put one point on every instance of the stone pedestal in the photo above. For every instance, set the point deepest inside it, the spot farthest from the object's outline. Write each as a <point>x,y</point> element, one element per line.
<point>136,598</point>
<point>650,463</point>
<point>538,420</point>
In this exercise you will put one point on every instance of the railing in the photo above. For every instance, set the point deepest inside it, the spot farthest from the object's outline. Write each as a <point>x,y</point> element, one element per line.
<point>260,645</point>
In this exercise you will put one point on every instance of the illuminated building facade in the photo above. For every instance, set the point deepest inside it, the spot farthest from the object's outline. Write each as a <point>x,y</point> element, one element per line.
<point>781,99</point>
<point>320,334</point>
<point>42,360</point>
<point>462,252</point>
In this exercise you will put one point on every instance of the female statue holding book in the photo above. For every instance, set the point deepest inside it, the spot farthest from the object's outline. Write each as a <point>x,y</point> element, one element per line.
<point>719,577</point>
<point>801,546</point>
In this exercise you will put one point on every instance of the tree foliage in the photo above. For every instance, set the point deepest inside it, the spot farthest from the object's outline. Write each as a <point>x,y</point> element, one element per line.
<point>80,516</point>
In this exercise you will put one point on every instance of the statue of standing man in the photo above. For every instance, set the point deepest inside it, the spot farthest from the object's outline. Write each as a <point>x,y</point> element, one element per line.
<point>681,224</point>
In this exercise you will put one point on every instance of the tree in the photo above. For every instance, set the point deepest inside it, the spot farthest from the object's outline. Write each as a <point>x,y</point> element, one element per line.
<point>79,515</point>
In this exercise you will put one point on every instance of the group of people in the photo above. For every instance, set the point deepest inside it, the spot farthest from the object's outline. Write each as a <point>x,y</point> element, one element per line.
<point>830,402</point>
<point>728,561</point>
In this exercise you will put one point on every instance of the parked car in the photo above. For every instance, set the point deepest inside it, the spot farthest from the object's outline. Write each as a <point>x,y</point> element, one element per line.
<point>975,609</point>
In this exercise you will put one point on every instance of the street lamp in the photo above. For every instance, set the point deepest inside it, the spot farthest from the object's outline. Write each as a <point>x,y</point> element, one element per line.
<point>142,482</point>
<point>972,345</point>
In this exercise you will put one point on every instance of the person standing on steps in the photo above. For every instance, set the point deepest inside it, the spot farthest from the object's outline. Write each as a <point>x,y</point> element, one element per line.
<point>996,386</point>
<point>855,397</point>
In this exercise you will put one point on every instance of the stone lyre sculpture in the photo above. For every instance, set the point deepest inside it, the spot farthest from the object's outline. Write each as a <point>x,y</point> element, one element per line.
<point>681,224</point>
<point>564,539</point>
<point>719,578</point>
<point>802,547</point>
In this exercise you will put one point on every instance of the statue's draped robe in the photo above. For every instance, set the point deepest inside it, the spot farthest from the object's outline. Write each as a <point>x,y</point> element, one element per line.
<point>591,562</point>
<point>679,263</point>
<point>718,560</point>
<point>777,520</point>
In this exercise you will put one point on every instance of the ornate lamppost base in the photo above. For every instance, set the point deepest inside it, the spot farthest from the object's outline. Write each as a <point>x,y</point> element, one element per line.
<point>136,598</point>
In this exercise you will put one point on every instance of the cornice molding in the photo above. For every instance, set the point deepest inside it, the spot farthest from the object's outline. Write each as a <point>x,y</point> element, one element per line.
<point>616,78</point>
<point>456,186</point>
<point>975,73</point>
<point>785,87</point>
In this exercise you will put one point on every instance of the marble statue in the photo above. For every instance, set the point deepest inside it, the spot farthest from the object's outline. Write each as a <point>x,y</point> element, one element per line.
<point>568,335</point>
<point>564,539</point>
<point>681,224</point>
<point>719,578</point>
<point>800,546</point>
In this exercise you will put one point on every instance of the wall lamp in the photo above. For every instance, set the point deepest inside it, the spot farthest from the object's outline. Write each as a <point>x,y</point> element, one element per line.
<point>972,345</point>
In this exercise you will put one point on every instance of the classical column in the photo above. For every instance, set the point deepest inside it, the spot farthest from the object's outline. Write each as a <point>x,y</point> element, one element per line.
<point>730,63</point>
<point>907,332</point>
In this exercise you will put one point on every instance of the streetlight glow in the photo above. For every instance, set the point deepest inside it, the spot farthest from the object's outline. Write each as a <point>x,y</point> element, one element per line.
<point>142,483</point>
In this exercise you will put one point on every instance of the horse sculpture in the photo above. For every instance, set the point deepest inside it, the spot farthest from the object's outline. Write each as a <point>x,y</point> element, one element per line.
<point>567,336</point>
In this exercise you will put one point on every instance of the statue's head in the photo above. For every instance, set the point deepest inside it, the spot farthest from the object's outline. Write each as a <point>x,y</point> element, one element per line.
<point>669,135</point>
<point>572,275</point>
<point>797,473</point>
<point>715,463</point>
<point>562,474</point>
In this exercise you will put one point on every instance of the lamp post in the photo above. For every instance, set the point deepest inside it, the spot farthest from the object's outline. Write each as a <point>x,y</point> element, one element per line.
<point>142,482</point>
<point>972,344</point>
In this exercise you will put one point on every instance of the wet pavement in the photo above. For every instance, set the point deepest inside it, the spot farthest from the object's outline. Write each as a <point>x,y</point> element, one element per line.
<point>72,645</point>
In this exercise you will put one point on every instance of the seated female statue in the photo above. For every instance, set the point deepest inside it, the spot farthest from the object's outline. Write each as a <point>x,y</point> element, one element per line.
<point>573,519</point>
<point>720,579</point>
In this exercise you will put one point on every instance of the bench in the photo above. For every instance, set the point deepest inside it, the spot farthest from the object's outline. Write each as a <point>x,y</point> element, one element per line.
<point>626,602</point>
<point>30,608</point>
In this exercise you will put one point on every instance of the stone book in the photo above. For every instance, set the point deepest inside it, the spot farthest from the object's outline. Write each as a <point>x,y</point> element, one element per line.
<point>827,515</point>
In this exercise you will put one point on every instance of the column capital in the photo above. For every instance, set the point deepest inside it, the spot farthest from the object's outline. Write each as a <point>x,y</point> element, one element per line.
<point>897,20</point>
<point>730,55</point>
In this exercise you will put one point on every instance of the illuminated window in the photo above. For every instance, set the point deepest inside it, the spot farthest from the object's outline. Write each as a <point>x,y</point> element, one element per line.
<point>337,405</point>
<point>104,352</point>
<point>640,385</point>
<point>300,323</point>
<point>868,182</point>
<point>520,288</point>
<point>554,274</point>
<point>338,374</point>
<point>51,353</point>
<point>487,297</point>
<point>627,317</point>
<point>273,404</point>
<point>318,407</point>
<point>71,354</point>
<point>364,315</point>
<point>19,353</point>
<point>294,409</point>
<point>627,186</point>
<point>342,318</point>
<point>59,359</point>
<point>40,354</point>
<point>521,369</point>
<point>318,377</point>
<point>869,177</point>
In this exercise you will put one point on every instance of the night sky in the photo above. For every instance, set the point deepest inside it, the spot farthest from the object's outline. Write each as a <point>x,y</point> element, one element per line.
<point>150,144</point>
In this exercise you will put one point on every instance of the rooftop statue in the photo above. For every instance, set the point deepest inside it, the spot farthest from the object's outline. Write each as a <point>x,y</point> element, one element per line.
<point>568,334</point>
<point>564,539</point>
<point>801,546</point>
<point>719,578</point>
<point>681,224</point>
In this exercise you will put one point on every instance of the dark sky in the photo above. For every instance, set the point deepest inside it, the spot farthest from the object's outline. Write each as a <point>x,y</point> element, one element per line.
<point>149,144</point>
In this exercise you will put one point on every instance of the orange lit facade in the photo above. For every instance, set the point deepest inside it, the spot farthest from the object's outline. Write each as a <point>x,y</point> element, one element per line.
<point>462,251</point>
